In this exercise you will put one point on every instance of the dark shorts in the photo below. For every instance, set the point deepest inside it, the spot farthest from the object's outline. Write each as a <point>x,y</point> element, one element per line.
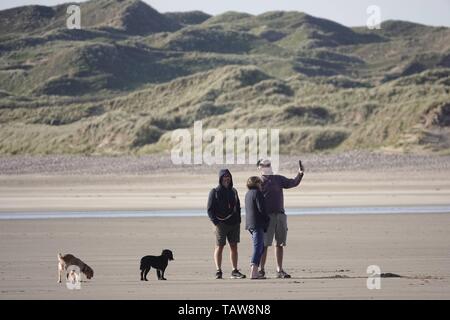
<point>224,231</point>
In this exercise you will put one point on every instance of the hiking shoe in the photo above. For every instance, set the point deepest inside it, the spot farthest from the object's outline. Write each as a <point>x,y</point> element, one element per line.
<point>261,274</point>
<point>283,275</point>
<point>219,274</point>
<point>235,274</point>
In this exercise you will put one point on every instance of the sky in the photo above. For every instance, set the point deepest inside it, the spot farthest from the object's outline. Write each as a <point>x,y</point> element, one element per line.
<point>347,12</point>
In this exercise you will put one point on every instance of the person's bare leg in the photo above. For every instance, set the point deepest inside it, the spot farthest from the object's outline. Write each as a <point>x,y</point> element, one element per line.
<point>263,259</point>
<point>279,255</point>
<point>218,257</point>
<point>234,255</point>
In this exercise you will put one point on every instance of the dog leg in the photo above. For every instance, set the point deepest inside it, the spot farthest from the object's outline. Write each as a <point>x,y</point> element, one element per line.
<point>162,275</point>
<point>142,275</point>
<point>59,272</point>
<point>145,274</point>
<point>158,273</point>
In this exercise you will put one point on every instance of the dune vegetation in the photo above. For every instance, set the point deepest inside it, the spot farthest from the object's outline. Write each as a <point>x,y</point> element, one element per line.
<point>131,75</point>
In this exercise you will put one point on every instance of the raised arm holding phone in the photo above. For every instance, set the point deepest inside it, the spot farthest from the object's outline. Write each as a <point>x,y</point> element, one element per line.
<point>272,187</point>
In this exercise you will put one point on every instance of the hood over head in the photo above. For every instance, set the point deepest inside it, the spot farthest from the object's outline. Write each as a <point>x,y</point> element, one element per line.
<point>222,173</point>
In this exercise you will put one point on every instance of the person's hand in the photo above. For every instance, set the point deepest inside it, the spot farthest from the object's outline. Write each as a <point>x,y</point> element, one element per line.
<point>301,169</point>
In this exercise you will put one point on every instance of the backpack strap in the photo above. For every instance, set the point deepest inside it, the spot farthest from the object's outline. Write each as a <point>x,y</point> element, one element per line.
<point>235,197</point>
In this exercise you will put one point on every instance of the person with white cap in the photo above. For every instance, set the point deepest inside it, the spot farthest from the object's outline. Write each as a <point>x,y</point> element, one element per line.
<point>272,187</point>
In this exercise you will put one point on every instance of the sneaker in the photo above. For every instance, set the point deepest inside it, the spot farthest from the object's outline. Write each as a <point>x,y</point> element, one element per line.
<point>258,277</point>
<point>235,274</point>
<point>261,274</point>
<point>254,273</point>
<point>283,275</point>
<point>219,274</point>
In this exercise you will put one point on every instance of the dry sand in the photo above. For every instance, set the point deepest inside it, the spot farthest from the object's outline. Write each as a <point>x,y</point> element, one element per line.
<point>189,191</point>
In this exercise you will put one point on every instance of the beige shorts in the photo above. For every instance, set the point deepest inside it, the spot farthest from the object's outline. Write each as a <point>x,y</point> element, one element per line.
<point>277,229</point>
<point>224,231</point>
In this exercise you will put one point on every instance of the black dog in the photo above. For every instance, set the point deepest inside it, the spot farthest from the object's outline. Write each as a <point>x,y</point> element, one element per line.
<point>157,262</point>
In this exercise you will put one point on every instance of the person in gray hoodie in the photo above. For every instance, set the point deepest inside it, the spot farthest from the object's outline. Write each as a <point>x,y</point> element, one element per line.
<point>256,222</point>
<point>272,187</point>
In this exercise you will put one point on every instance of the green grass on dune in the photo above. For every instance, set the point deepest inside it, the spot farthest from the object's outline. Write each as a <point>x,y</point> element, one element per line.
<point>132,75</point>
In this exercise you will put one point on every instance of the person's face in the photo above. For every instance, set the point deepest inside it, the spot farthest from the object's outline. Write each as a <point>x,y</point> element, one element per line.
<point>259,185</point>
<point>226,181</point>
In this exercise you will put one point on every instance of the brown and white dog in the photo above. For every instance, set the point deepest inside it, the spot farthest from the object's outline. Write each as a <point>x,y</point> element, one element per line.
<point>64,261</point>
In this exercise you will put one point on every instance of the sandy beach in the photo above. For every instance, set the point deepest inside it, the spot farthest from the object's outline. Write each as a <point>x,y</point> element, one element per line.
<point>327,254</point>
<point>118,116</point>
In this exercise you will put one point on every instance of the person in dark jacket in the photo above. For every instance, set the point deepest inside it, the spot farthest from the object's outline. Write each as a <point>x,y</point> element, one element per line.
<point>257,222</point>
<point>272,187</point>
<point>224,211</point>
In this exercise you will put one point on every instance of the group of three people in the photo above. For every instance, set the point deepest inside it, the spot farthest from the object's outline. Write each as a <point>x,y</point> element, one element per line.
<point>265,218</point>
